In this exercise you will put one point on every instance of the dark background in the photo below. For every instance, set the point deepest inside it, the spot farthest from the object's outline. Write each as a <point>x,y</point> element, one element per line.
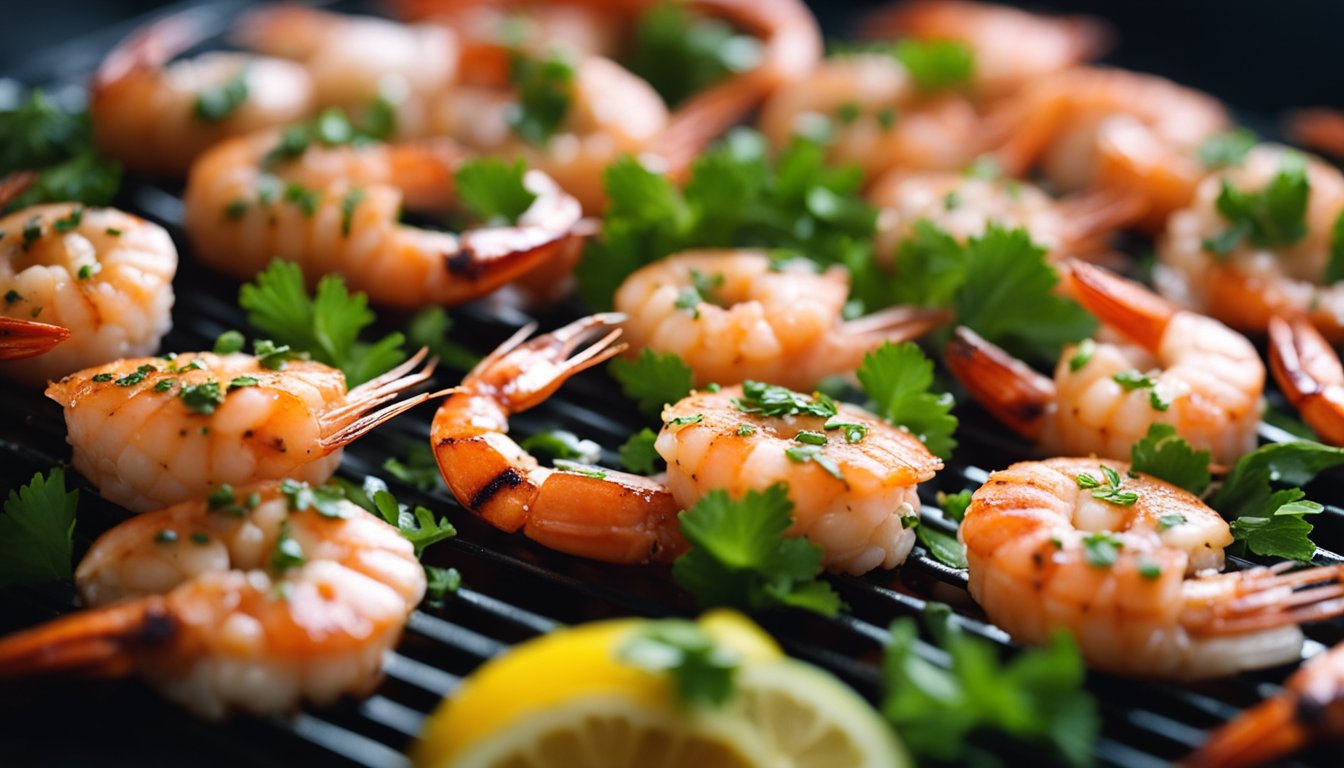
<point>1258,55</point>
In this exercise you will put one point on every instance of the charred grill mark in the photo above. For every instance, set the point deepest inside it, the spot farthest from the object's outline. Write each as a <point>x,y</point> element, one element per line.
<point>463,263</point>
<point>509,478</point>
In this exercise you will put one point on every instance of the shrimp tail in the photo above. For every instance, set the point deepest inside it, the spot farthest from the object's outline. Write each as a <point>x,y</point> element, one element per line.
<point>1017,396</point>
<point>354,418</point>
<point>24,338</point>
<point>96,643</point>
<point>1128,307</point>
<point>1310,374</point>
<point>523,374</point>
<point>150,48</point>
<point>1259,735</point>
<point>1317,128</point>
<point>896,324</point>
<point>1089,218</point>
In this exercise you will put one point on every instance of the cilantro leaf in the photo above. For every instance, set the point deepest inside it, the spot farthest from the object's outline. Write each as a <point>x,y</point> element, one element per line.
<point>638,454</point>
<point>1166,456</point>
<point>954,504</point>
<point>946,549</point>
<point>493,188</point>
<point>1272,216</point>
<point>1037,697</point>
<point>36,531</point>
<point>429,327</point>
<point>417,525</point>
<point>774,400</point>
<point>326,326</point>
<point>419,469</point>
<point>653,380</point>
<point>701,670</point>
<point>1271,521</point>
<point>932,266</point>
<point>739,556</point>
<point>1226,149</point>
<point>544,93</point>
<point>1285,532</point>
<point>681,54</point>
<point>39,133</point>
<point>897,378</point>
<point>85,178</point>
<point>936,65</point>
<point>439,583</point>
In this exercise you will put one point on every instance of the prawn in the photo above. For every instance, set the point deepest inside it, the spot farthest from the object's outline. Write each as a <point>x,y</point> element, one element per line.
<point>95,280</point>
<point>336,209</point>
<point>963,206</point>
<point>1153,364</point>
<point>1253,282</point>
<point>1124,571</point>
<point>1011,47</point>
<point>853,497</point>
<point>153,431</point>
<point>1310,375</point>
<point>254,600</point>
<point>604,515</point>
<point>1310,708</point>
<point>737,315</point>
<point>156,117</point>
<point>1111,129</point>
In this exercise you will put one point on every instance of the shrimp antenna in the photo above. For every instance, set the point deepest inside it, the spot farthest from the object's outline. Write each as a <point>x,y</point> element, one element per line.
<point>354,419</point>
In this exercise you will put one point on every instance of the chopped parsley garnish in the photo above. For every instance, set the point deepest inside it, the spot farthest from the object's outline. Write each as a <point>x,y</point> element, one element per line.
<point>202,398</point>
<point>852,431</point>
<point>12,296</point>
<point>1272,216</point>
<point>493,189</point>
<point>306,199</point>
<point>40,133</point>
<point>287,553</point>
<point>229,342</point>
<point>745,430</point>
<point>163,385</point>
<point>32,231</point>
<point>325,500</point>
<point>326,325</point>
<point>1109,491</point>
<point>1226,149</point>
<point>574,467</point>
<point>739,556</point>
<point>937,65</point>
<point>802,454</point>
<point>271,356</point>
<point>943,712</point>
<point>349,202</point>
<point>417,525</point>
<point>440,582</point>
<point>238,382</point>
<point>638,454</point>
<point>1170,520</point>
<point>1164,455</point>
<point>218,102</point>
<point>898,378</point>
<point>89,270</point>
<point>1101,549</point>
<point>113,231</point>
<point>70,221</point>
<point>562,444</point>
<point>772,400</point>
<point>135,377</point>
<point>101,377</point>
<point>1132,380</point>
<point>807,437</point>
<point>36,531</point>
<point>1150,570</point>
<point>688,298</point>
<point>701,670</point>
<point>331,128</point>
<point>544,89</point>
<point>200,539</point>
<point>680,53</point>
<point>236,209</point>
<point>166,536</point>
<point>1082,355</point>
<point>653,379</point>
<point>419,469</point>
<point>224,499</point>
<point>682,421</point>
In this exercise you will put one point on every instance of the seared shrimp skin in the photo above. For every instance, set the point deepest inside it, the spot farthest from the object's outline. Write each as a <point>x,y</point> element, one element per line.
<point>154,431</point>
<point>1152,364</point>
<point>245,602</point>
<point>156,117</point>
<point>1309,373</point>
<point>1033,534</point>
<point>336,209</point>
<point>736,315</point>
<point>853,499</point>
<point>607,515</point>
<point>102,275</point>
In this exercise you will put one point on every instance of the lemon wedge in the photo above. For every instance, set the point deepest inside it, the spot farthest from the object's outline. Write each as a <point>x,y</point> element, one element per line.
<point>566,700</point>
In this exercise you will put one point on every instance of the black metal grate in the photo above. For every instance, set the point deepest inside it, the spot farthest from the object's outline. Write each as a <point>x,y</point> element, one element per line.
<point>512,590</point>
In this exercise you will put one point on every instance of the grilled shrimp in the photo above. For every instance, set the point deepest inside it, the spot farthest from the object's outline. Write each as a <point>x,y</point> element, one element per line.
<point>1255,280</point>
<point>154,431</point>
<point>605,515</point>
<point>1115,130</point>
<point>1012,48</point>
<point>102,277</point>
<point>964,206</point>
<point>1310,375</point>
<point>336,209</point>
<point>853,498</point>
<point>1309,709</point>
<point>736,315</point>
<point>879,118</point>
<point>1122,574</point>
<point>1153,364</point>
<point>157,117</point>
<point>252,601</point>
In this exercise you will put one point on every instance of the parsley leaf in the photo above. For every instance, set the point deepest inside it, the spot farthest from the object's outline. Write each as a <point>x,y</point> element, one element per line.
<point>36,531</point>
<point>429,327</point>
<point>1272,216</point>
<point>39,133</point>
<point>325,326</point>
<point>897,378</point>
<point>638,454</point>
<point>419,469</point>
<point>936,65</point>
<point>1166,456</point>
<point>681,54</point>
<point>931,265</point>
<point>954,504</point>
<point>417,526</point>
<point>946,549</point>
<point>701,670</point>
<point>493,188</point>
<point>544,93</point>
<point>440,582</point>
<point>653,379</point>
<point>773,400</point>
<point>1036,697</point>
<point>1226,149</point>
<point>1271,521</point>
<point>218,102</point>
<point>739,556</point>
<point>85,178</point>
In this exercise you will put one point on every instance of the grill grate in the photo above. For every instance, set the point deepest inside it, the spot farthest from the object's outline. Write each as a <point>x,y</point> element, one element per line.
<point>513,590</point>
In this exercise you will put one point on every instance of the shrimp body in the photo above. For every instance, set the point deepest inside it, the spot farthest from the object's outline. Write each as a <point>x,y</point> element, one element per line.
<point>1309,373</point>
<point>336,209</point>
<point>880,119</point>
<point>104,275</point>
<point>857,513</point>
<point>252,605</point>
<point>150,114</point>
<point>1150,610</point>
<point>155,431</point>
<point>735,315</point>
<point>1153,364</point>
<point>605,515</point>
<point>1247,286</point>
